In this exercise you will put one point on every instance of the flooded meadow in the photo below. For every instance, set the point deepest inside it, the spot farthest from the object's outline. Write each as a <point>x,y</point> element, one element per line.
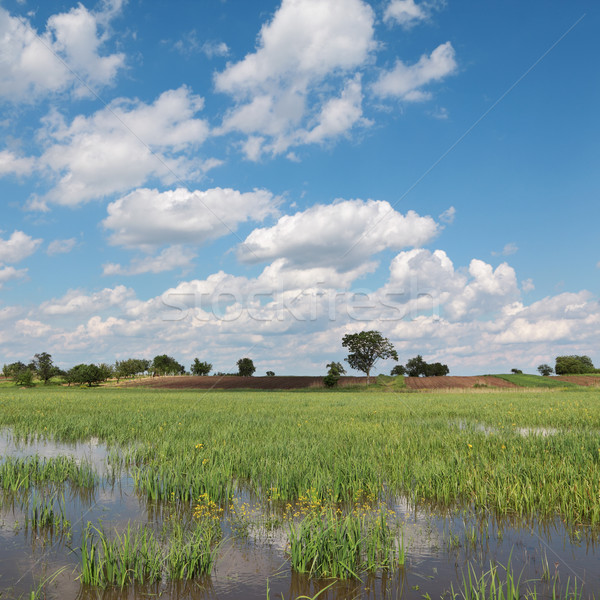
<point>123,494</point>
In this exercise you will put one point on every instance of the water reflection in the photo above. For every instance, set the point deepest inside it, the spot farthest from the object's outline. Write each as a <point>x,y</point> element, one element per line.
<point>440,544</point>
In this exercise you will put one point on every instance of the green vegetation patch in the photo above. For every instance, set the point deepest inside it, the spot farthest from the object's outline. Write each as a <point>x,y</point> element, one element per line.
<point>526,452</point>
<point>536,381</point>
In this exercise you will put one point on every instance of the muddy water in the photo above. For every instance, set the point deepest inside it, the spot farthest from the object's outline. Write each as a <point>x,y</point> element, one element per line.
<point>440,548</point>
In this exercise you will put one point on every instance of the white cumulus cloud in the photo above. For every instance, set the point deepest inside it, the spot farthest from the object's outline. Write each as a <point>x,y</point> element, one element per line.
<point>65,56</point>
<point>279,86</point>
<point>147,218</point>
<point>344,234</point>
<point>10,273</point>
<point>405,12</point>
<point>121,146</point>
<point>406,81</point>
<point>17,247</point>
<point>18,165</point>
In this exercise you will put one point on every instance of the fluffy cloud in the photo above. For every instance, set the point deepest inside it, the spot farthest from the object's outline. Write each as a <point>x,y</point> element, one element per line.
<point>17,247</point>
<point>66,55</point>
<point>170,258</point>
<point>278,87</point>
<point>289,321</point>
<point>405,81</point>
<point>10,163</point>
<point>342,235</point>
<point>148,218</point>
<point>121,146</point>
<point>405,12</point>
<point>454,294</point>
<point>10,273</point>
<point>61,246</point>
<point>76,302</point>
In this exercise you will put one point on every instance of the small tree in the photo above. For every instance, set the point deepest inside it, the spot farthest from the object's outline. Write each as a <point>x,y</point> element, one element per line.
<point>13,369</point>
<point>90,374</point>
<point>246,367</point>
<point>366,348</point>
<point>166,365</point>
<point>545,370</point>
<point>43,366</point>
<point>516,371</point>
<point>270,373</point>
<point>336,370</point>
<point>398,370</point>
<point>24,378</point>
<point>200,368</point>
<point>416,367</point>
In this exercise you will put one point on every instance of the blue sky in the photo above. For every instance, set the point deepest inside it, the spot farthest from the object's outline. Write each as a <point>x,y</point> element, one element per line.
<point>233,178</point>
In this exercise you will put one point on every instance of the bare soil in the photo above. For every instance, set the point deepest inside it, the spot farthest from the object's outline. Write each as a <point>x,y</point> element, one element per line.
<point>451,381</point>
<point>230,382</point>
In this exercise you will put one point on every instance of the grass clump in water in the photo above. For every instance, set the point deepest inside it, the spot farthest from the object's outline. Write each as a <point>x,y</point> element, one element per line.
<point>325,541</point>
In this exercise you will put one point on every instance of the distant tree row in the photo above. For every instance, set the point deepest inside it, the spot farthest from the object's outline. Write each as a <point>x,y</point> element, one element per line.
<point>42,368</point>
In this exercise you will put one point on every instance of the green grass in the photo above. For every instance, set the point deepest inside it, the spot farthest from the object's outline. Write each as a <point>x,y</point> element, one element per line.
<point>536,381</point>
<point>471,447</point>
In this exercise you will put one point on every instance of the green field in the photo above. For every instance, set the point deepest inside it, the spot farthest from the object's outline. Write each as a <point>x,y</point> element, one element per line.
<point>325,469</point>
<point>483,449</point>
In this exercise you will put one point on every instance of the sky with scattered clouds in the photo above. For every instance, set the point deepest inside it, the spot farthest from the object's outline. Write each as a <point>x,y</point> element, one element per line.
<point>226,178</point>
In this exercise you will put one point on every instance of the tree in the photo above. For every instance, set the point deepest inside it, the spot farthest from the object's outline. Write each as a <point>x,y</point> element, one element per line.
<point>436,370</point>
<point>270,373</point>
<point>545,370</point>
<point>106,371</point>
<point>90,374</point>
<point>336,370</point>
<point>200,368</point>
<point>416,367</point>
<point>13,369</point>
<point>131,367</point>
<point>246,367</point>
<point>366,348</point>
<point>574,365</point>
<point>516,371</point>
<point>24,378</point>
<point>166,365</point>
<point>43,366</point>
<point>398,370</point>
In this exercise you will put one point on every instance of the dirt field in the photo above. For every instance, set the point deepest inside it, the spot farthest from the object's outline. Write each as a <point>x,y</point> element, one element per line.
<point>438,383</point>
<point>229,382</point>
<point>587,380</point>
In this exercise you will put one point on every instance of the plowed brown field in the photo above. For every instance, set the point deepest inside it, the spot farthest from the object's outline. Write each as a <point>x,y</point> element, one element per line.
<point>439,383</point>
<point>587,380</point>
<point>229,382</point>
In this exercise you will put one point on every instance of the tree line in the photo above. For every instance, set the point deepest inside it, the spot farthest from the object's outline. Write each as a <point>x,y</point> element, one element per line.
<point>42,367</point>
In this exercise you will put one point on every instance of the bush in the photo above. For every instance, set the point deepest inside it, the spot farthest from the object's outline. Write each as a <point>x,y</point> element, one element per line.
<point>516,371</point>
<point>545,370</point>
<point>336,370</point>
<point>270,373</point>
